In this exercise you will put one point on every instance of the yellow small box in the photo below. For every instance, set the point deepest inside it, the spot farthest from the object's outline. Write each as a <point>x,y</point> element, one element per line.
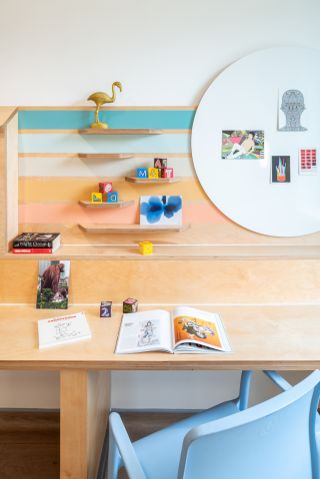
<point>153,173</point>
<point>96,197</point>
<point>145,247</point>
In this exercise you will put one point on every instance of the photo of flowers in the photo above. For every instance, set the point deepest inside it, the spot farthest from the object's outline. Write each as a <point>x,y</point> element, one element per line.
<point>242,145</point>
<point>280,172</point>
<point>161,210</point>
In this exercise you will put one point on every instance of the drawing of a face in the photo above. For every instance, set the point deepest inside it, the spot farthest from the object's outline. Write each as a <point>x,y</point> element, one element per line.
<point>293,106</point>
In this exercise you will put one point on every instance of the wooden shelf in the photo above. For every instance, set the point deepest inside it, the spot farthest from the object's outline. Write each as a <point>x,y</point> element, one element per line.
<point>154,181</point>
<point>124,229</point>
<point>104,204</point>
<point>119,131</point>
<point>105,156</point>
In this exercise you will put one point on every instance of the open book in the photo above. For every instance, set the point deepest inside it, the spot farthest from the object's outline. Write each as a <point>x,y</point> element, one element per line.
<point>184,330</point>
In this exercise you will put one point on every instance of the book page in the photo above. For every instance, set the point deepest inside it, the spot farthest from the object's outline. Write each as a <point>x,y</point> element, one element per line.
<point>146,331</point>
<point>192,326</point>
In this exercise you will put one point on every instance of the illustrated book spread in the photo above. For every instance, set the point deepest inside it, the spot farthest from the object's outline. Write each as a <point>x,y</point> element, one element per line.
<point>184,330</point>
<point>63,330</point>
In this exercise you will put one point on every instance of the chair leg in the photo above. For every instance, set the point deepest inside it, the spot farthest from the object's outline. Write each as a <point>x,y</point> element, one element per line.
<point>114,458</point>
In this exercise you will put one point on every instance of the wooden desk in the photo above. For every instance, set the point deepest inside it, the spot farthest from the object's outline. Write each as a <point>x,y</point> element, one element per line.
<point>261,337</point>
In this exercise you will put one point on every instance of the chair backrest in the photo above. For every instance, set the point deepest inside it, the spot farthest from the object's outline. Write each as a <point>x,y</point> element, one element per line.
<point>273,440</point>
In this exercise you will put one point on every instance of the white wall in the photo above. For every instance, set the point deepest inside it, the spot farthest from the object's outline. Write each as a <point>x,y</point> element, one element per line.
<point>165,52</point>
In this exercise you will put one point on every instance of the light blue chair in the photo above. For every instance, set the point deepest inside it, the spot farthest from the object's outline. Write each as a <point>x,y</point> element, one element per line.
<point>276,439</point>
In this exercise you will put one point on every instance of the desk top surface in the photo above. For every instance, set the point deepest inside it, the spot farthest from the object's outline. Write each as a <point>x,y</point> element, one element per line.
<point>261,337</point>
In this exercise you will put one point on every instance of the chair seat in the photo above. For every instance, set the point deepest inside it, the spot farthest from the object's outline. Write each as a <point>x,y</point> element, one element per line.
<point>165,463</point>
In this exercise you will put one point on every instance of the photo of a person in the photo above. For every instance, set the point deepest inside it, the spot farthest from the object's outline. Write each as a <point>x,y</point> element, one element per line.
<point>242,145</point>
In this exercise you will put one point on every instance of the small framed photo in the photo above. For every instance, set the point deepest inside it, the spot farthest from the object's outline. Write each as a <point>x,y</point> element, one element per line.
<point>280,169</point>
<point>307,161</point>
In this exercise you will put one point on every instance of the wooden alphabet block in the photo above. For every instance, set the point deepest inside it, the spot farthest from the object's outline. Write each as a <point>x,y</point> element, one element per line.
<point>96,197</point>
<point>105,309</point>
<point>105,187</point>
<point>145,247</point>
<point>142,173</point>
<point>168,173</point>
<point>160,162</point>
<point>153,173</point>
<point>112,197</point>
<point>130,305</point>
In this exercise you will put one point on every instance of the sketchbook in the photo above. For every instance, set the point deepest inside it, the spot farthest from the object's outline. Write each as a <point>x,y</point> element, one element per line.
<point>184,330</point>
<point>62,330</point>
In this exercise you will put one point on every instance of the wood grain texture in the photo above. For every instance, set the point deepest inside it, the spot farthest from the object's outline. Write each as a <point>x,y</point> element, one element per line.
<point>6,113</point>
<point>29,444</point>
<point>73,424</point>
<point>127,229</point>
<point>104,204</point>
<point>261,337</point>
<point>201,235</point>
<point>119,131</point>
<point>172,281</point>
<point>99,399</point>
<point>152,181</point>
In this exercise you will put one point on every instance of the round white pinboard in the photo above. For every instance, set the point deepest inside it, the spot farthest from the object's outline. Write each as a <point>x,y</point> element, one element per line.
<point>245,96</point>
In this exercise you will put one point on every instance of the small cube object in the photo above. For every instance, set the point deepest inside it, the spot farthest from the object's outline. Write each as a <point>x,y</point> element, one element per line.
<point>153,173</point>
<point>160,163</point>
<point>105,187</point>
<point>145,247</point>
<point>142,173</point>
<point>168,173</point>
<point>105,309</point>
<point>130,305</point>
<point>112,197</point>
<point>96,197</point>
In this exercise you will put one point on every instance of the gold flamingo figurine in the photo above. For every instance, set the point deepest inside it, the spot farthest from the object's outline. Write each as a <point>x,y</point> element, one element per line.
<point>100,98</point>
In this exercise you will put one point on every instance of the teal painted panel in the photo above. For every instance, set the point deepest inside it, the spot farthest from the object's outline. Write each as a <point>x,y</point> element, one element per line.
<point>72,143</point>
<point>77,119</point>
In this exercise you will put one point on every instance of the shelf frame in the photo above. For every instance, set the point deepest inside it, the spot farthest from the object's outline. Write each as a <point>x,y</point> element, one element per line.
<point>106,205</point>
<point>152,181</point>
<point>120,131</point>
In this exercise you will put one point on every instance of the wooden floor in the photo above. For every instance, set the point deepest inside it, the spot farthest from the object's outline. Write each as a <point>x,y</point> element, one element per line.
<point>29,441</point>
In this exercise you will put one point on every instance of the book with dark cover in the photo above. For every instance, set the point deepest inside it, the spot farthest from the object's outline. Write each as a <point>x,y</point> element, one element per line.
<point>37,240</point>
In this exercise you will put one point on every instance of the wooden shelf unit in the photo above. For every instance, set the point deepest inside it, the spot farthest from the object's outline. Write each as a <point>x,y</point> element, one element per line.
<point>8,177</point>
<point>106,205</point>
<point>152,181</point>
<point>105,156</point>
<point>120,131</point>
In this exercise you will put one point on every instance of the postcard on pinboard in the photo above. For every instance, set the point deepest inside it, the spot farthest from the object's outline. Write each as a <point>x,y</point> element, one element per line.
<point>242,145</point>
<point>291,116</point>
<point>307,161</point>
<point>53,284</point>
<point>280,169</point>
<point>161,210</point>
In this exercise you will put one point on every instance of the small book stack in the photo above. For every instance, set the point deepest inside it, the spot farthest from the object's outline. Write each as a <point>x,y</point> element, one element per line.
<point>36,243</point>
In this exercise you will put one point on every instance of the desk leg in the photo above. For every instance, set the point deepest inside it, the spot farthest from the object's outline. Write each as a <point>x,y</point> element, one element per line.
<point>84,407</point>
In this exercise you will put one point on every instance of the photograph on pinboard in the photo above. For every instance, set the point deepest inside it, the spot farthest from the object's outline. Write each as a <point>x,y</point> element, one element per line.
<point>291,108</point>
<point>307,161</point>
<point>242,145</point>
<point>161,210</point>
<point>53,284</point>
<point>280,169</point>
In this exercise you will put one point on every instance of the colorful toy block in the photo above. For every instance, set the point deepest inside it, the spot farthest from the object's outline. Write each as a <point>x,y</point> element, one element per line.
<point>130,305</point>
<point>145,247</point>
<point>153,173</point>
<point>105,187</point>
<point>160,163</point>
<point>112,197</point>
<point>105,309</point>
<point>168,173</point>
<point>96,197</point>
<point>142,173</point>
